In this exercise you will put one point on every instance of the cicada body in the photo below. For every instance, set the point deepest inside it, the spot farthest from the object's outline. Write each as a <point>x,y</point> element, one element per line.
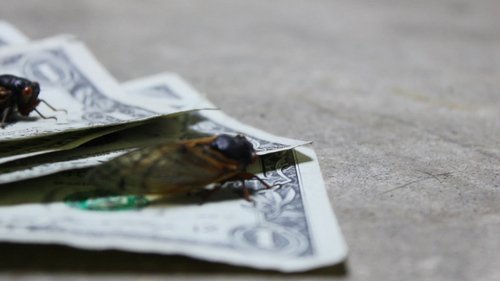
<point>178,167</point>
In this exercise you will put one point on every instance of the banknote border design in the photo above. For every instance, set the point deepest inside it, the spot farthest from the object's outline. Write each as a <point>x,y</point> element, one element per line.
<point>283,221</point>
<point>97,106</point>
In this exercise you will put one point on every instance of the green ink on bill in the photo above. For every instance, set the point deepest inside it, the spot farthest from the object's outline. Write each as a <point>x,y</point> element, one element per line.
<point>102,200</point>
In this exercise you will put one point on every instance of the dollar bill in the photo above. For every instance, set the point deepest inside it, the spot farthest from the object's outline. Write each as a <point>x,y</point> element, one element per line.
<point>14,150</point>
<point>17,145</point>
<point>195,124</point>
<point>289,228</point>
<point>73,80</point>
<point>173,93</point>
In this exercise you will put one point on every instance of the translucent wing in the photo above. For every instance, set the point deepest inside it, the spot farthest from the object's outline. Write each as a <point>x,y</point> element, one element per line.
<point>165,169</point>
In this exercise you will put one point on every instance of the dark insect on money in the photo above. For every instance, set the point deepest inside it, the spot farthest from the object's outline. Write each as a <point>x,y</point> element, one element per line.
<point>179,167</point>
<point>21,95</point>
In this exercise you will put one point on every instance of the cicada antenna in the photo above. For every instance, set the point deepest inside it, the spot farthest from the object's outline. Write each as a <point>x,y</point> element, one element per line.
<point>51,107</point>
<point>41,115</point>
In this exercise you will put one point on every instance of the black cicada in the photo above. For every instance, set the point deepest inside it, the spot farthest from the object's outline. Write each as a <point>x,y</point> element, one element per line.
<point>19,94</point>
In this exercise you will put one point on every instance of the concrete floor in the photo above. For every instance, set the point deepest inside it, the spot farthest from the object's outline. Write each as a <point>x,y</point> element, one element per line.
<point>401,99</point>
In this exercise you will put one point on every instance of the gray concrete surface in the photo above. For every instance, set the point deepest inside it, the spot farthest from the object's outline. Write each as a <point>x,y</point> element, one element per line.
<point>401,99</point>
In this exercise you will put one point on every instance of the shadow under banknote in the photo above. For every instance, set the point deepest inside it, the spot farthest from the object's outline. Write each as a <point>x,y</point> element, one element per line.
<point>28,258</point>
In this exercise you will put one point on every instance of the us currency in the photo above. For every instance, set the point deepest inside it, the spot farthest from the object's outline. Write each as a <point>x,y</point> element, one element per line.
<point>19,145</point>
<point>176,97</point>
<point>163,89</point>
<point>289,228</point>
<point>70,79</point>
<point>14,150</point>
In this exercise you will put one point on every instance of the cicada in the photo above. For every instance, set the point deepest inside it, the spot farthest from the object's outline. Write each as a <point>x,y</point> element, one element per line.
<point>17,93</point>
<point>179,167</point>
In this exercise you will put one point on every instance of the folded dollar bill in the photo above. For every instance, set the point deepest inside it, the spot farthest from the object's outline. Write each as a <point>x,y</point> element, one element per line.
<point>183,126</point>
<point>34,135</point>
<point>71,79</point>
<point>14,150</point>
<point>289,228</point>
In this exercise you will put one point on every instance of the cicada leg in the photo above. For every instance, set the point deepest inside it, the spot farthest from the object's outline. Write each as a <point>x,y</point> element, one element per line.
<point>210,193</point>
<point>6,113</point>
<point>246,193</point>
<point>248,176</point>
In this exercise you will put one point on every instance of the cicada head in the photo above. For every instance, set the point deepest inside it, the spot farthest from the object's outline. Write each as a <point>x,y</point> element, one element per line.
<point>237,148</point>
<point>29,97</point>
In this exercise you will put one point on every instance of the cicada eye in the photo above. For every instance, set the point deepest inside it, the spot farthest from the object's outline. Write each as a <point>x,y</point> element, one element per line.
<point>27,92</point>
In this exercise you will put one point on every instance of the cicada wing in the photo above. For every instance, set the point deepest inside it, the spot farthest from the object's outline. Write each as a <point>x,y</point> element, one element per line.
<point>161,169</point>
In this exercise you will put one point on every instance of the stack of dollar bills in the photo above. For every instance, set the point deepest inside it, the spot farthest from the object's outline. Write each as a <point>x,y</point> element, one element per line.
<point>44,197</point>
